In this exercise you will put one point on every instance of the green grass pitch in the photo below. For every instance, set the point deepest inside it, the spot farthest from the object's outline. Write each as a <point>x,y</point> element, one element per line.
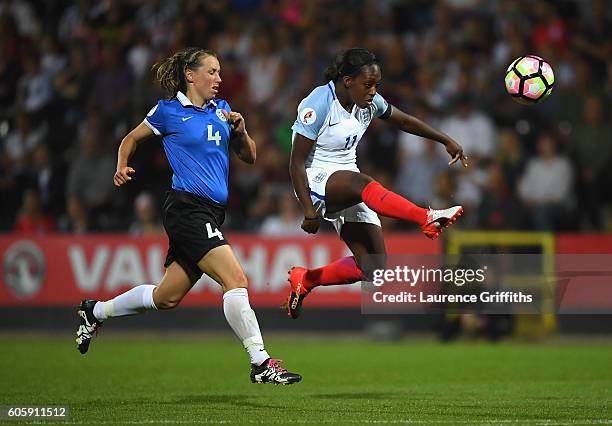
<point>172,381</point>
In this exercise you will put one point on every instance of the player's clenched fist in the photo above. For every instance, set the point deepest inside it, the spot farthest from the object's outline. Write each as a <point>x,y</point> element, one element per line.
<point>311,225</point>
<point>235,120</point>
<point>122,175</point>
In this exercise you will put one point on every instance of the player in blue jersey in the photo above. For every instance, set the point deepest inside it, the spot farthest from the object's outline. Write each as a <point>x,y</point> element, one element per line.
<point>330,123</point>
<point>197,132</point>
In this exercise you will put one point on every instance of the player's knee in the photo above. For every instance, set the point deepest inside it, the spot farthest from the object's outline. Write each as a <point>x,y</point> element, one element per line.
<point>357,184</point>
<point>237,281</point>
<point>362,180</point>
<point>168,303</point>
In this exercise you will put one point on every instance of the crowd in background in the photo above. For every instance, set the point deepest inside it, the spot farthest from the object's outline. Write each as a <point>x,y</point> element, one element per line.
<point>75,78</point>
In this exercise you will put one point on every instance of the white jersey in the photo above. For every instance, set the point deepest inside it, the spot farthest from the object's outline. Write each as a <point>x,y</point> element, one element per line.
<point>335,131</point>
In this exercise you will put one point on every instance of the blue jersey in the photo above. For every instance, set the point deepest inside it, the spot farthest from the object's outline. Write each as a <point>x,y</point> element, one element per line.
<point>196,141</point>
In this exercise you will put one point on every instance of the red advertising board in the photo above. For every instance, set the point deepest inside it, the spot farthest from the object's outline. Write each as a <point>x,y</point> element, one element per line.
<point>589,277</point>
<point>62,270</point>
<point>584,244</point>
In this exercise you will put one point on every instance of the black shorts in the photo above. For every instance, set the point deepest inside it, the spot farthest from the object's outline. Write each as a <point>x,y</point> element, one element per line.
<point>193,225</point>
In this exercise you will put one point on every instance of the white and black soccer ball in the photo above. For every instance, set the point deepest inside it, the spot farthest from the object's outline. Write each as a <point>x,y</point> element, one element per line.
<point>529,79</point>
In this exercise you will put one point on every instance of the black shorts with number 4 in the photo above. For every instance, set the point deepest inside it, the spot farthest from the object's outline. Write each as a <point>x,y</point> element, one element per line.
<point>193,225</point>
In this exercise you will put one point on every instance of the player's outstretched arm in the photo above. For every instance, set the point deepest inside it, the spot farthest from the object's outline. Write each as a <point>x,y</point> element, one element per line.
<point>240,141</point>
<point>411,124</point>
<point>299,153</point>
<point>126,149</point>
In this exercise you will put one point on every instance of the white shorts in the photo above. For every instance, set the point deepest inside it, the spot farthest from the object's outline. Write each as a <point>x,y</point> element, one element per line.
<point>317,179</point>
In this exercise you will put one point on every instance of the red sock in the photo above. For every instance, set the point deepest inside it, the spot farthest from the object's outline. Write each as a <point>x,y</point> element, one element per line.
<point>342,271</point>
<point>390,204</point>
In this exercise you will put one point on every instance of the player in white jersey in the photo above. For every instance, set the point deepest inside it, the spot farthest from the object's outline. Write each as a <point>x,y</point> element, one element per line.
<point>331,121</point>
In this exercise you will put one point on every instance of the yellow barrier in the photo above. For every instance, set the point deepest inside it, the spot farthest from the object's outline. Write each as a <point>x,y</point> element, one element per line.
<point>527,326</point>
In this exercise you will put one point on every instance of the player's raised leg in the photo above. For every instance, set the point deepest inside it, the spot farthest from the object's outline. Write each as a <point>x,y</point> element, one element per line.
<point>346,188</point>
<point>221,264</point>
<point>365,240</point>
<point>172,288</point>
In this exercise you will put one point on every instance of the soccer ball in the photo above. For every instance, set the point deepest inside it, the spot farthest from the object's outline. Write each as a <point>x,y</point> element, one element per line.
<point>529,79</point>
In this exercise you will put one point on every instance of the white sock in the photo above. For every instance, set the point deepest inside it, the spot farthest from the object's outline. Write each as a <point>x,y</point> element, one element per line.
<point>242,319</point>
<point>132,302</point>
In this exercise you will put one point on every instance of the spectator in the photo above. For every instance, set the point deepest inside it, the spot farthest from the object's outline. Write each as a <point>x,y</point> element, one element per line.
<point>417,173</point>
<point>445,191</point>
<point>53,59</point>
<point>470,182</point>
<point>266,72</point>
<point>546,185</point>
<point>76,220</point>
<point>10,193</point>
<point>286,221</point>
<point>74,23</point>
<point>570,96</point>
<point>9,75</point>
<point>147,221</point>
<point>236,41</point>
<point>549,29</point>
<point>72,85</point>
<point>472,129</point>
<point>34,87</point>
<point>49,178</point>
<point>510,157</point>
<point>261,207</point>
<point>90,176</point>
<point>154,18</point>
<point>594,40</point>
<point>140,58</point>
<point>30,218</point>
<point>21,142</point>
<point>410,144</point>
<point>24,16</point>
<point>111,87</point>
<point>234,81</point>
<point>499,209</point>
<point>591,146</point>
